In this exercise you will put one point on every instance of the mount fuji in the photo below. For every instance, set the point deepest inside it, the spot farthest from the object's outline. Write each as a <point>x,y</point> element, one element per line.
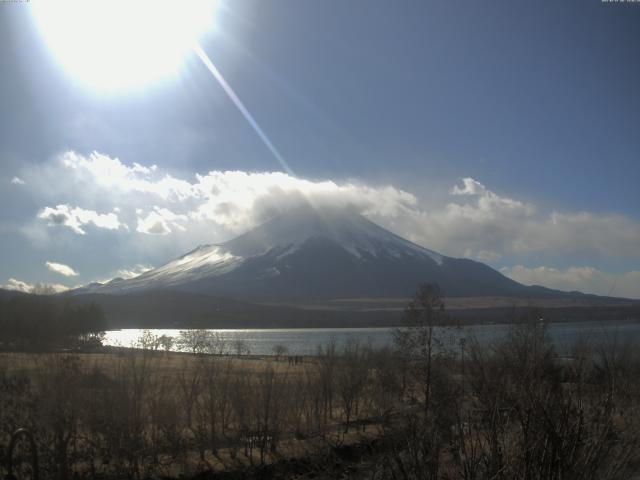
<point>319,254</point>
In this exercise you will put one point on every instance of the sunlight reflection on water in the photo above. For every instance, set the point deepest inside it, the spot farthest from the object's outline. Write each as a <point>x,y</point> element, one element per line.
<point>306,341</point>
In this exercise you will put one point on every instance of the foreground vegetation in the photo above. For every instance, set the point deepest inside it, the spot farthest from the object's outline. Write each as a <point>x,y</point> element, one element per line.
<point>417,411</point>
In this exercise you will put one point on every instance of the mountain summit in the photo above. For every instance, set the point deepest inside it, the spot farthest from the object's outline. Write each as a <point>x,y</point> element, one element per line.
<point>310,254</point>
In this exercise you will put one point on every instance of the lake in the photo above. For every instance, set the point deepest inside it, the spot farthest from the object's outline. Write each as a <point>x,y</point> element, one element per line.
<point>306,341</point>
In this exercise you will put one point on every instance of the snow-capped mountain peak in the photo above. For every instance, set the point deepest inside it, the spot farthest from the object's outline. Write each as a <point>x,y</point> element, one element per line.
<point>315,253</point>
<point>351,231</point>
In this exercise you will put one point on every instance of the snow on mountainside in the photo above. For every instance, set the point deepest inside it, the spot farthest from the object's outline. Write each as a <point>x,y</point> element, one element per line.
<point>314,254</point>
<point>351,231</point>
<point>285,235</point>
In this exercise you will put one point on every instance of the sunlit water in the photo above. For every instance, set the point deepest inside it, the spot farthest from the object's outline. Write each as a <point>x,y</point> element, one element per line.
<point>306,341</point>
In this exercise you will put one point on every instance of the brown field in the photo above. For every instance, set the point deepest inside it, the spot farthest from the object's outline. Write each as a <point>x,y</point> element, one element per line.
<point>195,412</point>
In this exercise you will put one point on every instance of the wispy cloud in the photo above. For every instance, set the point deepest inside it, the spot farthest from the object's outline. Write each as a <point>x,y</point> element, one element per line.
<point>17,181</point>
<point>62,269</point>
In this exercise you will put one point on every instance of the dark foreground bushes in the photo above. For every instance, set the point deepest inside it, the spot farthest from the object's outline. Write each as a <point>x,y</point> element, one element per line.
<point>517,411</point>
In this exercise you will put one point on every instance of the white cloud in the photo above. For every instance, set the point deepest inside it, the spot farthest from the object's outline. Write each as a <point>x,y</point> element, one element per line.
<point>482,224</point>
<point>170,215</point>
<point>584,279</point>
<point>37,288</point>
<point>239,200</point>
<point>62,269</point>
<point>153,224</point>
<point>19,285</point>
<point>76,218</point>
<point>17,181</point>
<point>473,221</point>
<point>159,221</point>
<point>234,200</point>
<point>111,174</point>
<point>469,187</point>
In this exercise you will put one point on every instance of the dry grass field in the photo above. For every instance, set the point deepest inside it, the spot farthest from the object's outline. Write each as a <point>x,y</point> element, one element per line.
<point>142,413</point>
<point>414,412</point>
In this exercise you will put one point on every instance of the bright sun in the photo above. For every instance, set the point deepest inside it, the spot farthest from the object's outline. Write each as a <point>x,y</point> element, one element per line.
<point>116,44</point>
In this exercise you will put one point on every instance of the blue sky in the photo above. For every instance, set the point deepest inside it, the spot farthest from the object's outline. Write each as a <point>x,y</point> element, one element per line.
<point>536,104</point>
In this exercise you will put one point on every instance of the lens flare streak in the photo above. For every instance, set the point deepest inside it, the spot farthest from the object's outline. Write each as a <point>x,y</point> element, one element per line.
<point>238,103</point>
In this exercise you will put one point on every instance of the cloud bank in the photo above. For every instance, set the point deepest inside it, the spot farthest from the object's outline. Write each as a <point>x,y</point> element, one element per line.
<point>150,207</point>
<point>474,222</point>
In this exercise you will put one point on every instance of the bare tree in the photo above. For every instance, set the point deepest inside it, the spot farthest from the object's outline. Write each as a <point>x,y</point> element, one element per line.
<point>148,341</point>
<point>200,341</point>
<point>241,347</point>
<point>166,342</point>
<point>279,350</point>
<point>328,360</point>
<point>351,378</point>
<point>418,337</point>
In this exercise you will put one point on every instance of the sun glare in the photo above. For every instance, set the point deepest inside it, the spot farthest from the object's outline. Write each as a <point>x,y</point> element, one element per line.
<point>116,44</point>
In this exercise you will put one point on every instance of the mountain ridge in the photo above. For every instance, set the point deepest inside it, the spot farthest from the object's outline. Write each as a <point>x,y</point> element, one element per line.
<point>320,254</point>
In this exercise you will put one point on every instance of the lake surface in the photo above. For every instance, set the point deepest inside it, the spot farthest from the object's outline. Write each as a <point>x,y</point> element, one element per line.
<point>306,341</point>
